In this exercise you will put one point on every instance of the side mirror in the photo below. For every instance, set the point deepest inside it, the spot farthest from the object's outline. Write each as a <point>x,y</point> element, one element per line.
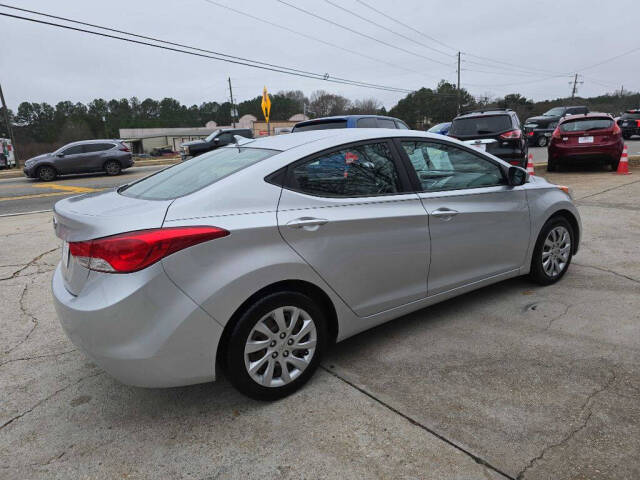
<point>516,176</point>
<point>216,140</point>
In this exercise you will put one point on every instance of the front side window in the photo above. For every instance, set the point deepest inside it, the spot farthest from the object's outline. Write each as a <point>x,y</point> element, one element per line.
<point>225,138</point>
<point>554,112</point>
<point>401,125</point>
<point>362,170</point>
<point>197,173</point>
<point>73,150</point>
<point>447,167</point>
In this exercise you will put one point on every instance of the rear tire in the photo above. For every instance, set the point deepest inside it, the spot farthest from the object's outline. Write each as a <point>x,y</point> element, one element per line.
<point>553,252</point>
<point>626,136</point>
<point>112,167</point>
<point>262,360</point>
<point>47,173</point>
<point>542,141</point>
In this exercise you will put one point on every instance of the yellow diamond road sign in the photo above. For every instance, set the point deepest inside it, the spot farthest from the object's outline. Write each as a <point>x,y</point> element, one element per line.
<point>266,104</point>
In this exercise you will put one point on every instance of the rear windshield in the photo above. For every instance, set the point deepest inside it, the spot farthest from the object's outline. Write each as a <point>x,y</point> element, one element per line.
<point>631,116</point>
<point>481,125</point>
<point>321,126</point>
<point>587,124</point>
<point>194,174</point>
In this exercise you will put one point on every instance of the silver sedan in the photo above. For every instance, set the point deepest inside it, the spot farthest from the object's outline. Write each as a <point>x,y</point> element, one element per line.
<point>255,257</point>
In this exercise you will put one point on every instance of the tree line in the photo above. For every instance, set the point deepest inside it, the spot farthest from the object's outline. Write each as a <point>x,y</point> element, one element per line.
<point>40,127</point>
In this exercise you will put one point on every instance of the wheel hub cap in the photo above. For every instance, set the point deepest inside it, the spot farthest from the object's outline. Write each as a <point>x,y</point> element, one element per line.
<point>280,346</point>
<point>555,251</point>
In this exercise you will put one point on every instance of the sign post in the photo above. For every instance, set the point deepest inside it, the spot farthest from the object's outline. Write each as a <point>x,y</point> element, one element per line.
<point>266,108</point>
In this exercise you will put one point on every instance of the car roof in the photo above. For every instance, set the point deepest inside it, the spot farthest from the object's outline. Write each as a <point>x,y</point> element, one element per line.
<point>98,140</point>
<point>338,135</point>
<point>485,113</point>
<point>586,115</point>
<point>342,117</point>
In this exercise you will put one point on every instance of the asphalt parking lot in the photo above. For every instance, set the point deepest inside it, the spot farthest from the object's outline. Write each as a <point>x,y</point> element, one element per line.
<point>511,381</point>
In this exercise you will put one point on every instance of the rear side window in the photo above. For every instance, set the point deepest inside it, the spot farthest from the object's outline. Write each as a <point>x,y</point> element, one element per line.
<point>98,147</point>
<point>195,174</point>
<point>362,170</point>
<point>401,125</point>
<point>321,126</point>
<point>386,123</point>
<point>367,123</point>
<point>484,125</point>
<point>586,124</point>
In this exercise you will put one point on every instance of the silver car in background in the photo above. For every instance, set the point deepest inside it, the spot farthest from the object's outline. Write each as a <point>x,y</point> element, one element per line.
<point>255,257</point>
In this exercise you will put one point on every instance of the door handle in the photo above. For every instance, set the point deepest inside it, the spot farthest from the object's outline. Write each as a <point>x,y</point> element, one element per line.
<point>444,213</point>
<point>307,223</point>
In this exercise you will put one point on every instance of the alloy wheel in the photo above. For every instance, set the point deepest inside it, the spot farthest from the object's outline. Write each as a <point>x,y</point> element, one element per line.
<point>280,346</point>
<point>555,251</point>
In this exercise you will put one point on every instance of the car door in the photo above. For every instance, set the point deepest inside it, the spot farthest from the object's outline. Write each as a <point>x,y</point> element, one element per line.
<point>70,159</point>
<point>479,226</point>
<point>95,156</point>
<point>348,212</point>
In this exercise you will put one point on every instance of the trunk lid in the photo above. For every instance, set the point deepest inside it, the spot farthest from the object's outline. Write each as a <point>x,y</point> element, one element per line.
<point>96,215</point>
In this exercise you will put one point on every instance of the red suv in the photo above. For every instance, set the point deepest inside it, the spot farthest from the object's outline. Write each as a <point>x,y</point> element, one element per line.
<point>578,138</point>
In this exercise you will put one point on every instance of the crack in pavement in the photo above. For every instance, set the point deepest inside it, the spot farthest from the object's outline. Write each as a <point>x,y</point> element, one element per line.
<point>573,432</point>
<point>414,422</point>
<point>608,271</point>
<point>557,317</point>
<point>27,265</point>
<point>46,355</point>
<point>607,190</point>
<point>24,311</point>
<point>40,402</point>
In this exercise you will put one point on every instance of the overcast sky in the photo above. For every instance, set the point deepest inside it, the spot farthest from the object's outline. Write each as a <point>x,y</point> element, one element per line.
<point>40,63</point>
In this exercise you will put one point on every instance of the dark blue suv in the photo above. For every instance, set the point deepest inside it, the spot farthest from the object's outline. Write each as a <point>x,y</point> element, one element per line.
<point>349,121</point>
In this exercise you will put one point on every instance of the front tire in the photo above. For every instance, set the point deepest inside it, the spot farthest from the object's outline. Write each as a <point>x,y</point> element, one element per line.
<point>553,252</point>
<point>47,173</point>
<point>276,345</point>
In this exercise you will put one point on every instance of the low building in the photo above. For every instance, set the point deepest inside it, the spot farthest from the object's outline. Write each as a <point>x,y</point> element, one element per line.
<point>150,140</point>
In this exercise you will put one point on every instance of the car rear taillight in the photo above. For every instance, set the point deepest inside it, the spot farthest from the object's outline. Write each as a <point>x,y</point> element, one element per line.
<point>511,134</point>
<point>616,129</point>
<point>556,133</point>
<point>124,148</point>
<point>530,134</point>
<point>133,251</point>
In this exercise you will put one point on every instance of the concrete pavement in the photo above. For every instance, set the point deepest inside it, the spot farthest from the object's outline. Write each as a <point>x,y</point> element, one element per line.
<point>511,381</point>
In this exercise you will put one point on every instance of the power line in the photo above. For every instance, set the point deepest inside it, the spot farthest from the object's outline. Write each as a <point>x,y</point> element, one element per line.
<point>369,37</point>
<point>282,27</point>
<point>244,62</point>
<point>588,67</point>
<point>405,25</point>
<point>385,28</point>
<point>388,17</point>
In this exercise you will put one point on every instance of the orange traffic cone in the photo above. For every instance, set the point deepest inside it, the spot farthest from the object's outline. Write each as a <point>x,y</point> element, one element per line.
<point>623,165</point>
<point>530,170</point>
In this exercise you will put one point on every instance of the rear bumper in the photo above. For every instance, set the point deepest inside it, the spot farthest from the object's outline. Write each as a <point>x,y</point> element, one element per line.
<point>140,328</point>
<point>608,152</point>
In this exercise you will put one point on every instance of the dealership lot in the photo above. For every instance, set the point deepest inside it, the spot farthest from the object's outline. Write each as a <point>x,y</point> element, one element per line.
<point>511,381</point>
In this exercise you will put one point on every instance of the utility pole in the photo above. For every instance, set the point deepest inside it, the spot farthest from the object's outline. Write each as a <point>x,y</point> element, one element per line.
<point>575,82</point>
<point>458,83</point>
<point>9,128</point>
<point>233,118</point>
